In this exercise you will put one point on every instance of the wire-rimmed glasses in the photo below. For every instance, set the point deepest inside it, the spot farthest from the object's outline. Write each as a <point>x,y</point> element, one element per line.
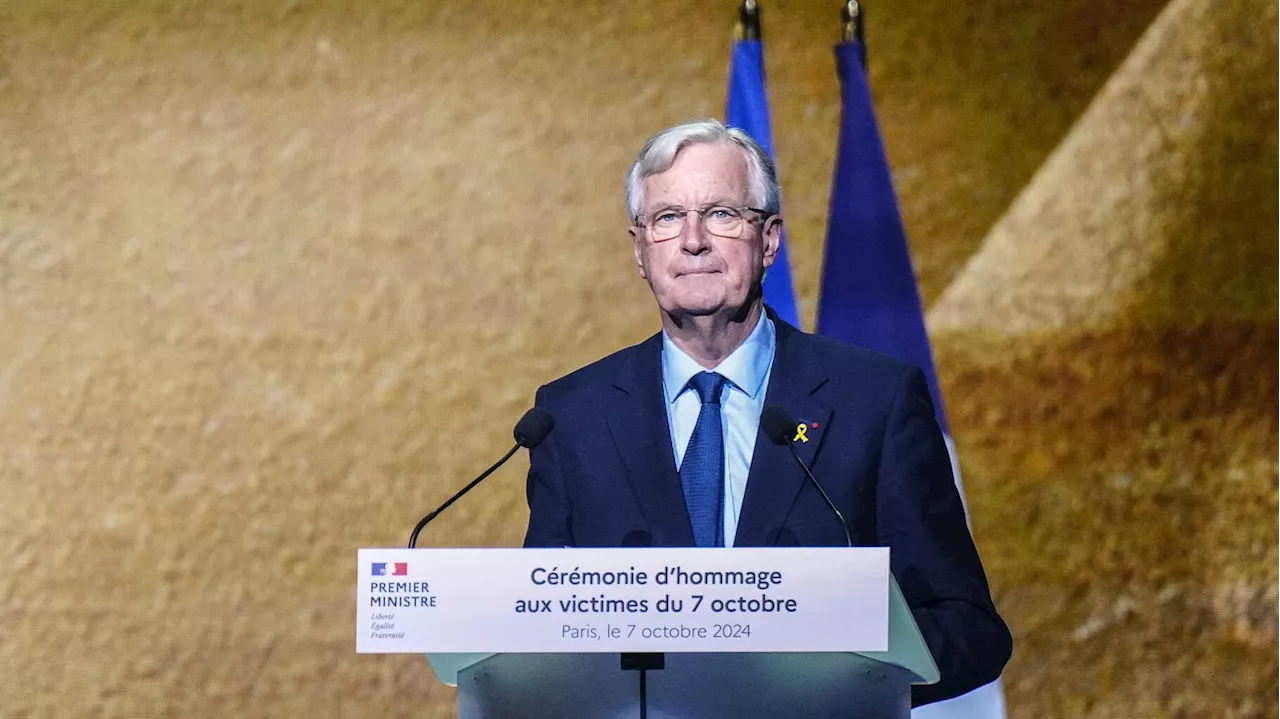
<point>719,220</point>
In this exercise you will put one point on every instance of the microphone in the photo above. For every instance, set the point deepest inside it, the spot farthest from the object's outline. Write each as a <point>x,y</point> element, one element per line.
<point>532,428</point>
<point>778,425</point>
<point>637,538</point>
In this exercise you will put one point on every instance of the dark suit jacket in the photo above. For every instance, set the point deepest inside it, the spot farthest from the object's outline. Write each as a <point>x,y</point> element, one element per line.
<point>606,477</point>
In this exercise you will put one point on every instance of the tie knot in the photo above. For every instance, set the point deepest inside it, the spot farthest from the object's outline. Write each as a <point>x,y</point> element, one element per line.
<point>708,386</point>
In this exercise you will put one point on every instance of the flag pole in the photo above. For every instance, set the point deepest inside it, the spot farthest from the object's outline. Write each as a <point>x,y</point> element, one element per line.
<point>851,29</point>
<point>851,22</point>
<point>748,26</point>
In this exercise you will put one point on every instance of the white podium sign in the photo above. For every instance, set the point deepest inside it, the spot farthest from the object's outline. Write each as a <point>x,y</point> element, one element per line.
<point>622,600</point>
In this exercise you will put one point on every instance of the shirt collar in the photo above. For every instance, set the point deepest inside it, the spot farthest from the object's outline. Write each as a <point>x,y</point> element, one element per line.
<point>745,368</point>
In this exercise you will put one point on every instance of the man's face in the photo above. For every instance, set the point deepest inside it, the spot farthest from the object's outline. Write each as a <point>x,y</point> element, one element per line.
<point>698,273</point>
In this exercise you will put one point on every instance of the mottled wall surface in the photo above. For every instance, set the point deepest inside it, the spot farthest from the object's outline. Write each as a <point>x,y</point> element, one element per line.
<point>1149,207</point>
<point>1124,312</point>
<point>275,278</point>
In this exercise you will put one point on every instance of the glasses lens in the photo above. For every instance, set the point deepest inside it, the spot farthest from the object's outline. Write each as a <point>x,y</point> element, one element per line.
<point>723,221</point>
<point>667,224</point>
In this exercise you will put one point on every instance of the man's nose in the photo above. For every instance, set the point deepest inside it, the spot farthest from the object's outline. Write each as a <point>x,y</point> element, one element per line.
<point>694,239</point>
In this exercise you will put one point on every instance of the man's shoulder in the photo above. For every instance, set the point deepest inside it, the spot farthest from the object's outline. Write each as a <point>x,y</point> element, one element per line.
<point>851,362</point>
<point>598,375</point>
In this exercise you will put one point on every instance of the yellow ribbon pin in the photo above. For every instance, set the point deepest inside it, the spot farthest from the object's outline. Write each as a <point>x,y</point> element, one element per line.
<point>800,433</point>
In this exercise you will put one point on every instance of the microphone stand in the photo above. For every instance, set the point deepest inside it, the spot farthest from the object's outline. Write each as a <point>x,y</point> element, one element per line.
<point>413,538</point>
<point>643,662</point>
<point>848,540</point>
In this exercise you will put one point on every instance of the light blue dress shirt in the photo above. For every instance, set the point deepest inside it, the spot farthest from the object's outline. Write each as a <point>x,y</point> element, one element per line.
<point>747,368</point>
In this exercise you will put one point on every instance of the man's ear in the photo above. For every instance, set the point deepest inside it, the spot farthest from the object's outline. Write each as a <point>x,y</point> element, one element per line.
<point>637,248</point>
<point>771,233</point>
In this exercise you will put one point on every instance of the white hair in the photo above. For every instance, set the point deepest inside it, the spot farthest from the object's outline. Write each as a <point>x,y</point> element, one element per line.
<point>660,152</point>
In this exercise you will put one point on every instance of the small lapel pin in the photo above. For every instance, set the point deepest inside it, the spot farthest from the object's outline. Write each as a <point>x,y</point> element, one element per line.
<point>801,430</point>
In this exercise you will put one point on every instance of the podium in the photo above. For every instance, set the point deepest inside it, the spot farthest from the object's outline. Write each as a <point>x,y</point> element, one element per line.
<point>749,679</point>
<point>705,686</point>
<point>875,685</point>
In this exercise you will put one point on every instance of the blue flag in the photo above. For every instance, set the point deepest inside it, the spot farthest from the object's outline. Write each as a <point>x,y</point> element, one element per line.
<point>869,295</point>
<point>747,107</point>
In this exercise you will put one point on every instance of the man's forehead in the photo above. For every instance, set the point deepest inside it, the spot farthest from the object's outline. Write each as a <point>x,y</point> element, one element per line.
<point>706,170</point>
<point>724,157</point>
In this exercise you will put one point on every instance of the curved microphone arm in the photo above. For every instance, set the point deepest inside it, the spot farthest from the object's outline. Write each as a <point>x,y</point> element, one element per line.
<point>848,540</point>
<point>413,538</point>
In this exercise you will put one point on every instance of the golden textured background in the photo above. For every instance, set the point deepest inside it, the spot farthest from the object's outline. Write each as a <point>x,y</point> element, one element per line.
<point>276,277</point>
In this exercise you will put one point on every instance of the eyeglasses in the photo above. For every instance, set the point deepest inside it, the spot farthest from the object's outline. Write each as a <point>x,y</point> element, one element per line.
<point>719,220</point>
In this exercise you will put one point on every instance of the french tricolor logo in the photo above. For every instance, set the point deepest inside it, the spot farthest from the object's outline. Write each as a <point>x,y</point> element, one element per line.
<point>393,569</point>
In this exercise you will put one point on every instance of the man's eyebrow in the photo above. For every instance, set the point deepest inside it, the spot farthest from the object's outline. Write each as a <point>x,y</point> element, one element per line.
<point>713,202</point>
<point>719,202</point>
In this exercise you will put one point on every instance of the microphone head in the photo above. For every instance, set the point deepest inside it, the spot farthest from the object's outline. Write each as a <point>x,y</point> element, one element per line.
<point>637,538</point>
<point>778,424</point>
<point>533,427</point>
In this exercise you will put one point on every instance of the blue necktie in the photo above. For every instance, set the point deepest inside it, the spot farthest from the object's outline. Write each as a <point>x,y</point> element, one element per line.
<point>702,470</point>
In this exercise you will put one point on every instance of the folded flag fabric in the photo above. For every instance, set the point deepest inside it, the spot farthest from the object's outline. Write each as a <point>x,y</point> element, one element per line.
<point>869,295</point>
<point>748,108</point>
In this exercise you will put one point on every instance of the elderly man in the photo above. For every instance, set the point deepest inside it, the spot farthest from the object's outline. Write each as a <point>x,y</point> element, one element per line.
<point>658,444</point>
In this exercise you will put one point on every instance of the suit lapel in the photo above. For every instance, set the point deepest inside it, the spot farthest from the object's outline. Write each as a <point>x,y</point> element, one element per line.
<point>774,478</point>
<point>638,424</point>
